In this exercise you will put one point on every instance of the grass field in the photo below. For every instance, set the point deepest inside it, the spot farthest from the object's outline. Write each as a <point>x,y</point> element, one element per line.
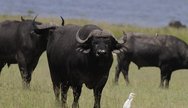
<point>144,82</point>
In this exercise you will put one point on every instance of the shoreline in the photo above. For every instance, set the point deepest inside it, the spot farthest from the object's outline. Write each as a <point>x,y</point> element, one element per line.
<point>117,29</point>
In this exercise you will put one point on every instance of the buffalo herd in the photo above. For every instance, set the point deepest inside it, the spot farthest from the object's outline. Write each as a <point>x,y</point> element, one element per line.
<point>80,55</point>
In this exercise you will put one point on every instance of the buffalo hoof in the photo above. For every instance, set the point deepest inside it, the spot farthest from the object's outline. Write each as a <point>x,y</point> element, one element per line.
<point>75,105</point>
<point>64,106</point>
<point>115,82</point>
<point>26,85</point>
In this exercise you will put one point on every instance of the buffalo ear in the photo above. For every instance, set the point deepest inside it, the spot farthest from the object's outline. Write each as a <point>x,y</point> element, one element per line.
<point>41,33</point>
<point>124,37</point>
<point>118,47</point>
<point>34,35</point>
<point>44,31</point>
<point>83,48</point>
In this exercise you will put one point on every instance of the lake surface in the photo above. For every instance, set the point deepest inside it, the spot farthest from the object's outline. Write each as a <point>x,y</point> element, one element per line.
<point>148,13</point>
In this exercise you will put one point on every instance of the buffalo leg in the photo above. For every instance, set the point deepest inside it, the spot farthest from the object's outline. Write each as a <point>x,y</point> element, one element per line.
<point>98,91</point>
<point>97,95</point>
<point>168,79</point>
<point>118,70</point>
<point>125,69</point>
<point>1,66</point>
<point>165,76</point>
<point>24,75</point>
<point>162,82</point>
<point>56,88</point>
<point>64,90</point>
<point>23,70</point>
<point>76,92</point>
<point>30,67</point>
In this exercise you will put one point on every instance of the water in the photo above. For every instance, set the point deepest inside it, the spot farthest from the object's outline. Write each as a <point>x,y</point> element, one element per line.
<point>149,13</point>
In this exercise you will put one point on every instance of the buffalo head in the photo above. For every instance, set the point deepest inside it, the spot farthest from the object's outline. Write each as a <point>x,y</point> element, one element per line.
<point>99,43</point>
<point>36,33</point>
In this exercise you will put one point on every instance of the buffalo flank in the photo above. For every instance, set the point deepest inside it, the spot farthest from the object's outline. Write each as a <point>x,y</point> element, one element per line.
<point>164,51</point>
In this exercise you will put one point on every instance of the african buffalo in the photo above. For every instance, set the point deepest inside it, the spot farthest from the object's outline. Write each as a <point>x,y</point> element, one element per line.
<point>164,51</point>
<point>19,44</point>
<point>176,24</point>
<point>77,55</point>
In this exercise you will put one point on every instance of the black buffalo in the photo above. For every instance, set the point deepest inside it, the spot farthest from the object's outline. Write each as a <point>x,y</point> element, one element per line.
<point>176,24</point>
<point>19,44</point>
<point>77,55</point>
<point>164,51</point>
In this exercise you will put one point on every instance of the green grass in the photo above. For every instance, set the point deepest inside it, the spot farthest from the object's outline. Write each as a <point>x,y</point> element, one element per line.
<point>144,82</point>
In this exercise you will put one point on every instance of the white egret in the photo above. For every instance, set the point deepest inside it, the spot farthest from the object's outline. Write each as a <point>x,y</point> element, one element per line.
<point>127,103</point>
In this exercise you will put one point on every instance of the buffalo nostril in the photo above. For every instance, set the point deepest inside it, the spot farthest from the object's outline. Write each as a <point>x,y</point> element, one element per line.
<point>101,52</point>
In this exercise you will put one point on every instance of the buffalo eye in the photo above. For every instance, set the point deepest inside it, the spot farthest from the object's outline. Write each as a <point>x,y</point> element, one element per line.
<point>94,43</point>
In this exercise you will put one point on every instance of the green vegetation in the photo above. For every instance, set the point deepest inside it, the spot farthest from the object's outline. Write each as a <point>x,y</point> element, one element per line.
<point>144,82</point>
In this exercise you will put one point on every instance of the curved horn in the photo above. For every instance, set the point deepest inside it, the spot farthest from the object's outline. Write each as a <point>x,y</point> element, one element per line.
<point>63,21</point>
<point>22,18</point>
<point>35,18</point>
<point>90,35</point>
<point>34,21</point>
<point>121,40</point>
<point>78,38</point>
<point>44,26</point>
<point>107,33</point>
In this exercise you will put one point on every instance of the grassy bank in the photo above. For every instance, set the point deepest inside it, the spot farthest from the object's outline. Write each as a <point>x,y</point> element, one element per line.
<point>144,82</point>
